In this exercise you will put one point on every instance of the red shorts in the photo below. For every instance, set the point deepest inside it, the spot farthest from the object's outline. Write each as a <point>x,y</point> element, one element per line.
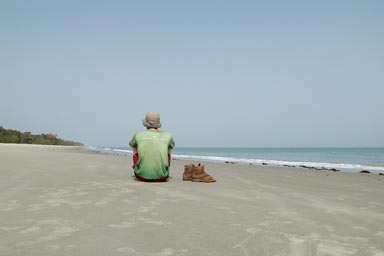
<point>136,158</point>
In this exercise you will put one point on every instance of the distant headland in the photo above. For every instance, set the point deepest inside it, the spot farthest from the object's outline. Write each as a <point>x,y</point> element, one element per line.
<point>14,136</point>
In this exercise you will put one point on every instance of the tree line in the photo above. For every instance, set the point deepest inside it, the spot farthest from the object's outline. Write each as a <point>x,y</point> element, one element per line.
<point>14,136</point>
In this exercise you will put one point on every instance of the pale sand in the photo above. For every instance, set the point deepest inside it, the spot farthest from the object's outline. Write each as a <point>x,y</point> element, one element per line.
<point>65,201</point>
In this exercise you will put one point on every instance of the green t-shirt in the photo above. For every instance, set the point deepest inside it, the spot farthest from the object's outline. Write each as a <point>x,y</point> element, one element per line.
<point>152,147</point>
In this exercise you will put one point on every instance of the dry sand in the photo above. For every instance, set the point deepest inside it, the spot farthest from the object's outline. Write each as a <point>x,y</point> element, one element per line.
<point>66,201</point>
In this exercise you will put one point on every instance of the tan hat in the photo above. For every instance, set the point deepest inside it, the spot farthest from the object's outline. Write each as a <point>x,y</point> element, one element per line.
<point>152,120</point>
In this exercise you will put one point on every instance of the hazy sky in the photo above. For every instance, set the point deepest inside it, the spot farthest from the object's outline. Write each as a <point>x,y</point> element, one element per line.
<point>220,73</point>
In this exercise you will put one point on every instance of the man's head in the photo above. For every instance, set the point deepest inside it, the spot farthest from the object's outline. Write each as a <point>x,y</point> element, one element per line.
<point>152,120</point>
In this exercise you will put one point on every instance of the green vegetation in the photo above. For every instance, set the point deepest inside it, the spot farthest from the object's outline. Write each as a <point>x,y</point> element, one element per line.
<point>13,136</point>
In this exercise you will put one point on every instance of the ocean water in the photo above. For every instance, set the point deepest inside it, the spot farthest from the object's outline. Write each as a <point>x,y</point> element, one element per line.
<point>344,159</point>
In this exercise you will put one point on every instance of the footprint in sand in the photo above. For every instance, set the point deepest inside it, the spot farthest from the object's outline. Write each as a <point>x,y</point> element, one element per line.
<point>163,252</point>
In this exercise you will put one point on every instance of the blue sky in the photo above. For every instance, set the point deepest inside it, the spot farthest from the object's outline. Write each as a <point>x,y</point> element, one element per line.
<point>220,73</point>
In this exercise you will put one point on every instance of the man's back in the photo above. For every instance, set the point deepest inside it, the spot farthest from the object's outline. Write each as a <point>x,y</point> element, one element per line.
<point>152,147</point>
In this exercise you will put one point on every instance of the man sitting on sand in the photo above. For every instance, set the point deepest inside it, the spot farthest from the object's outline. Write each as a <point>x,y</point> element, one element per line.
<point>151,151</point>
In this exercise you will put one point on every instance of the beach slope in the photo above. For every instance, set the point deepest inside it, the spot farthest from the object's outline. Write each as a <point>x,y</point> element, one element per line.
<point>67,201</point>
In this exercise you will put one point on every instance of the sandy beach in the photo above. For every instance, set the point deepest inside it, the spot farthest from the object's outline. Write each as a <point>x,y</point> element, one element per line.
<point>67,201</point>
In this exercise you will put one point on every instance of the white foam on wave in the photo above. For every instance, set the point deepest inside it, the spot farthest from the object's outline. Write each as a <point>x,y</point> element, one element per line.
<point>110,151</point>
<point>123,151</point>
<point>339,166</point>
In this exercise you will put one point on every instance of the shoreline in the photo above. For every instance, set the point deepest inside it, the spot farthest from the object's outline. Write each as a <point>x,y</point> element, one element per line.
<point>274,163</point>
<point>67,201</point>
<point>37,145</point>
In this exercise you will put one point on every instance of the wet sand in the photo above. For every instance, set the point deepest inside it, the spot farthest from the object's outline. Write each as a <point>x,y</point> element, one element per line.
<point>66,201</point>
